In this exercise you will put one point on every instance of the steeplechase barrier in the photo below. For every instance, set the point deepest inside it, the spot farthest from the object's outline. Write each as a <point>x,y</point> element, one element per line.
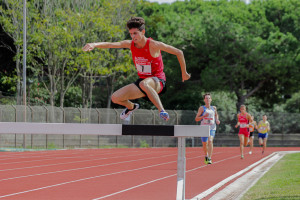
<point>179,131</point>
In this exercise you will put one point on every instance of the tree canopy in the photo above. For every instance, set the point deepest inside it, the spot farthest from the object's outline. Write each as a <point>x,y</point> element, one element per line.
<point>242,53</point>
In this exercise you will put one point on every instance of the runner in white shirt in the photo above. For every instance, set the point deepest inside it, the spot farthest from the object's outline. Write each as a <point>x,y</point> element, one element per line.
<point>208,115</point>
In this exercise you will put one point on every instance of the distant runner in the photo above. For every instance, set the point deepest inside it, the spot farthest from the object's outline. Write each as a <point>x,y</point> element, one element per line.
<point>243,121</point>
<point>252,127</point>
<point>263,129</point>
<point>208,115</point>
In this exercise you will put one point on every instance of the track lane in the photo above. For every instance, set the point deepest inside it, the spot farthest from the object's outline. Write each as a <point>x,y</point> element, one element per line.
<point>145,183</point>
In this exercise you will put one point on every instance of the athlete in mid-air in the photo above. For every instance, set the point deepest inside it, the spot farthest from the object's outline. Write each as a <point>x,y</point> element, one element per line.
<point>146,55</point>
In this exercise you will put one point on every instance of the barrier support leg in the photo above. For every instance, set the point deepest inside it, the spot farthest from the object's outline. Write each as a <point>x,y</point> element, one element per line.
<point>181,164</point>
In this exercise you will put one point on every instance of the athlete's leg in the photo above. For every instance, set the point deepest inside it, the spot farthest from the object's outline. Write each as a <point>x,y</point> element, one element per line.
<point>152,87</point>
<point>210,146</point>
<point>260,141</point>
<point>246,139</point>
<point>204,146</point>
<point>265,144</point>
<point>241,136</point>
<point>124,94</point>
<point>251,144</point>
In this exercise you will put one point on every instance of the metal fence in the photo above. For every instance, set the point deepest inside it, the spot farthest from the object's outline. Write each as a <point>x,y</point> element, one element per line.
<point>281,123</point>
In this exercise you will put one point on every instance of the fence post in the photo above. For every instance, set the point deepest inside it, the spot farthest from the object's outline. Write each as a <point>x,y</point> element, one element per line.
<point>176,117</point>
<point>116,116</point>
<point>15,112</point>
<point>98,112</point>
<point>31,121</point>
<point>80,136</point>
<point>0,114</point>
<point>64,115</point>
<point>116,123</point>
<point>153,137</point>
<point>63,111</point>
<point>47,114</point>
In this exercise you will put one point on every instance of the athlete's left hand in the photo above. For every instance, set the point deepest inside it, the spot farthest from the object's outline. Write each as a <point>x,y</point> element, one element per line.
<point>186,76</point>
<point>89,47</point>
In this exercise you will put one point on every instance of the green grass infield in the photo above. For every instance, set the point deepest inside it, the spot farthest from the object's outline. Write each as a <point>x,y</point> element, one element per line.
<point>282,181</point>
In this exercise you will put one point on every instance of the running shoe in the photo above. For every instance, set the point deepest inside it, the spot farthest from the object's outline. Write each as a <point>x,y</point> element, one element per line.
<point>126,112</point>
<point>242,156</point>
<point>250,152</point>
<point>206,160</point>
<point>209,161</point>
<point>164,115</point>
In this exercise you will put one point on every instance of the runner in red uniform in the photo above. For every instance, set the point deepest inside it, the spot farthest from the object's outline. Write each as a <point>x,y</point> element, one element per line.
<point>146,55</point>
<point>243,121</point>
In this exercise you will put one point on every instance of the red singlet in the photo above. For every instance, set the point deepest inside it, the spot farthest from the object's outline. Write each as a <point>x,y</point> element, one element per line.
<point>243,125</point>
<point>146,65</point>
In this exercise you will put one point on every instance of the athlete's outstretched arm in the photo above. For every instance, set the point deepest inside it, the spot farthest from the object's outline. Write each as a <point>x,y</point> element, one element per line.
<point>172,50</point>
<point>106,45</point>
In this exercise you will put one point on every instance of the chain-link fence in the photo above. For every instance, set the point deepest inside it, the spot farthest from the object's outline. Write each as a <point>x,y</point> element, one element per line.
<point>281,123</point>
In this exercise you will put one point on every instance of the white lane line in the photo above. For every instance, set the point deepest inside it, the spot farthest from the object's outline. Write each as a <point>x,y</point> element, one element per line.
<point>55,158</point>
<point>82,168</point>
<point>125,190</point>
<point>249,179</point>
<point>63,163</point>
<point>135,187</point>
<point>84,179</point>
<point>36,155</point>
<point>234,189</point>
<point>220,184</point>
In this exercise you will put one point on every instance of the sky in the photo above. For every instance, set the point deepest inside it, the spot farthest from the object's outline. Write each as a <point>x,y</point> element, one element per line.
<point>171,1</point>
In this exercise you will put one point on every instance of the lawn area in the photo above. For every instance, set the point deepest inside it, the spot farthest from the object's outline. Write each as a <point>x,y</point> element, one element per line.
<point>282,181</point>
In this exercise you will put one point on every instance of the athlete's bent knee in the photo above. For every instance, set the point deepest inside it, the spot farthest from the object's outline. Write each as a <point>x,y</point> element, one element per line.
<point>144,85</point>
<point>115,98</point>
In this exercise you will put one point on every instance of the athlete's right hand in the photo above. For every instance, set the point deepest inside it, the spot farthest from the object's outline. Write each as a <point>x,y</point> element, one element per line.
<point>89,47</point>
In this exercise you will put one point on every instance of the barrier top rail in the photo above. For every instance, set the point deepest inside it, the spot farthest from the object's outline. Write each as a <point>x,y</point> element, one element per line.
<point>103,129</point>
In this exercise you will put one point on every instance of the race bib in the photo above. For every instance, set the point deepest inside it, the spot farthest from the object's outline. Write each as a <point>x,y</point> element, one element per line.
<point>143,66</point>
<point>144,69</point>
<point>243,125</point>
<point>208,121</point>
<point>262,128</point>
<point>251,128</point>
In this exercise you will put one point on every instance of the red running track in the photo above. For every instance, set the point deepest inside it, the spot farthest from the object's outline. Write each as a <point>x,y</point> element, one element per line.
<point>116,174</point>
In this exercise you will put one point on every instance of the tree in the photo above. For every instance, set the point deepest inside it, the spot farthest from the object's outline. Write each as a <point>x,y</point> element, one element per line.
<point>11,19</point>
<point>62,34</point>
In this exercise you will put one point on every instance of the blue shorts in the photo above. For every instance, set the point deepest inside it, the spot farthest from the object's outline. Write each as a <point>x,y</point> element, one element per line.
<point>262,135</point>
<point>212,133</point>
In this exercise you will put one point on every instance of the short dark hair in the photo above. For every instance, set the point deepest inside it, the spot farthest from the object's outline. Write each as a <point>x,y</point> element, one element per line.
<point>136,22</point>
<point>206,95</point>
